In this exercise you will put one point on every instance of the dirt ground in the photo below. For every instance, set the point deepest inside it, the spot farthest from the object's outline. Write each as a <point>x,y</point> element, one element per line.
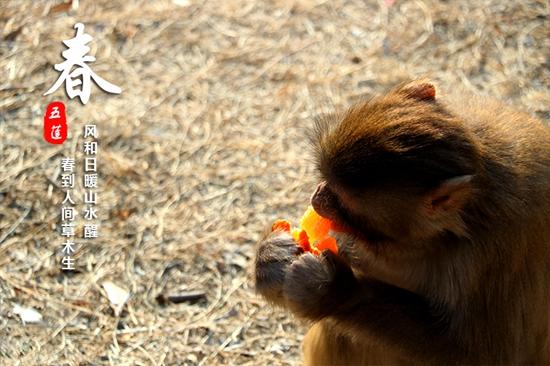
<point>202,150</point>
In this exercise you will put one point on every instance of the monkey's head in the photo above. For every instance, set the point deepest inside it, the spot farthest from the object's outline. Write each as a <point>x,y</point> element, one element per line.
<point>397,168</point>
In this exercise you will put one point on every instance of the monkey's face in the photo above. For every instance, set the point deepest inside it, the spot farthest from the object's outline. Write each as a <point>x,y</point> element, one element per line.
<point>395,169</point>
<point>376,216</point>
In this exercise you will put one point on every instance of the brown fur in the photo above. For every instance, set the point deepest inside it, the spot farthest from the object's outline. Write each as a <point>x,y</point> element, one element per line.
<point>446,201</point>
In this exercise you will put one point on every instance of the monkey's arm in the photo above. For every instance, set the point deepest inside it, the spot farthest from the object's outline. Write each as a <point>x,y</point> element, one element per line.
<point>325,288</point>
<point>400,319</point>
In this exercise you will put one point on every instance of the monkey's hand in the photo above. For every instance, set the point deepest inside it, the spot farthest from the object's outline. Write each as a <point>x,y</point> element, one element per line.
<point>315,286</point>
<point>273,258</point>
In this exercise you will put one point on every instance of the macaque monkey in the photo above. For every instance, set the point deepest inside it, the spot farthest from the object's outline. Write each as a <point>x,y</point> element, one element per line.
<point>445,258</point>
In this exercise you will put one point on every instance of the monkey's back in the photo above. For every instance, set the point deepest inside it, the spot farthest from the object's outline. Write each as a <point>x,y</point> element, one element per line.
<point>517,148</point>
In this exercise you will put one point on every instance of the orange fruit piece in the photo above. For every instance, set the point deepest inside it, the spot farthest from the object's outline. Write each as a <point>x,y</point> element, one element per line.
<point>328,243</point>
<point>296,234</point>
<point>313,233</point>
<point>302,239</point>
<point>282,225</point>
<point>316,226</point>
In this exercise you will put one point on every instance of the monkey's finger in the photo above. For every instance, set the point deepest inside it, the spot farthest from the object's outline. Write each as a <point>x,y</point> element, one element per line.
<point>279,246</point>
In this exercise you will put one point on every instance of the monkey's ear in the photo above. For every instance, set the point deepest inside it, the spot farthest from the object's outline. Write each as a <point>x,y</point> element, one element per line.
<point>420,91</point>
<point>450,195</point>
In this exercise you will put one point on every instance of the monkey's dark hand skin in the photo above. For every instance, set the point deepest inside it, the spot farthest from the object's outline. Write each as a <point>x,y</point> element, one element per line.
<point>315,286</point>
<point>274,255</point>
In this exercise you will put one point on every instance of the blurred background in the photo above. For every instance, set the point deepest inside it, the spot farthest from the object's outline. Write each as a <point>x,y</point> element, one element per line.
<point>203,149</point>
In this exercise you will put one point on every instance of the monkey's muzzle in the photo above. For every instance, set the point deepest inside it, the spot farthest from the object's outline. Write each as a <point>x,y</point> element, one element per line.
<point>325,202</point>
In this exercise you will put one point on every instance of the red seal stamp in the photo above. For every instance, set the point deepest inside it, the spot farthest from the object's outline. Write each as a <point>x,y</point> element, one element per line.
<point>55,123</point>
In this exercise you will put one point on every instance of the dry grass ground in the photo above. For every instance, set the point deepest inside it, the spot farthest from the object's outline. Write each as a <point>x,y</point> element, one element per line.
<point>202,150</point>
